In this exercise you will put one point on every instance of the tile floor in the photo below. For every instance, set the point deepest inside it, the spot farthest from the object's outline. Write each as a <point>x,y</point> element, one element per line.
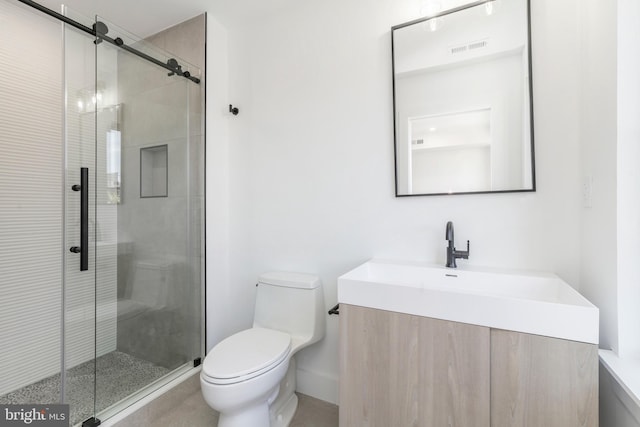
<point>185,407</point>
<point>195,412</point>
<point>116,375</point>
<point>315,413</point>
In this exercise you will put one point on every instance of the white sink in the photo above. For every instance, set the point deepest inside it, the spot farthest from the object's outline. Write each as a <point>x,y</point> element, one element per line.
<point>534,303</point>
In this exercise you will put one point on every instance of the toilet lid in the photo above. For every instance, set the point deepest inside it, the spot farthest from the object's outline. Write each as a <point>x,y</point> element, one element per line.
<point>251,351</point>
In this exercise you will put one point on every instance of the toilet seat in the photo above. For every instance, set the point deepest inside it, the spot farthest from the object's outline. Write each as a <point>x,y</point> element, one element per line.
<point>245,355</point>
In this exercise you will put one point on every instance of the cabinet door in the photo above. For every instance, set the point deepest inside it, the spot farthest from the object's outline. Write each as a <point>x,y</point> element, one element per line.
<point>541,381</point>
<point>403,370</point>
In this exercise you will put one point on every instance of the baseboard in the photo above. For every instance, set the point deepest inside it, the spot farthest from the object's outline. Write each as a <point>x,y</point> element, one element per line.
<point>318,385</point>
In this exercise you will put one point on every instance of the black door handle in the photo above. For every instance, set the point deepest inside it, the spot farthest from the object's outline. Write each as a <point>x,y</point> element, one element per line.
<point>83,249</point>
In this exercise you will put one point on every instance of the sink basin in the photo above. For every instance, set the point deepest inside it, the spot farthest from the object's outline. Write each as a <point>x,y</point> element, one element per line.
<point>534,303</point>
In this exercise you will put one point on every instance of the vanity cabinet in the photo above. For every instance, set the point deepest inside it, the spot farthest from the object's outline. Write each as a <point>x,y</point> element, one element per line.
<point>404,370</point>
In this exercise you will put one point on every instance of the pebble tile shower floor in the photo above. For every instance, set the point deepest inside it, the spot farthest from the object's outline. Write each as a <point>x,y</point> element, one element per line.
<point>118,375</point>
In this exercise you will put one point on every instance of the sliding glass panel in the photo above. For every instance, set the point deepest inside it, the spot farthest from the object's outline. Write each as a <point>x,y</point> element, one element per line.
<point>31,206</point>
<point>81,228</point>
<point>148,277</point>
<point>101,215</point>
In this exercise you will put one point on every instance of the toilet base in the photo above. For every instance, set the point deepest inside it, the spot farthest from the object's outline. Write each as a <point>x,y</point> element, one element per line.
<point>284,416</point>
<point>285,405</point>
<point>257,416</point>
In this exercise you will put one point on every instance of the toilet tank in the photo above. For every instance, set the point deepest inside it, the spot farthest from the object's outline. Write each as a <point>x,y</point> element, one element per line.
<point>292,303</point>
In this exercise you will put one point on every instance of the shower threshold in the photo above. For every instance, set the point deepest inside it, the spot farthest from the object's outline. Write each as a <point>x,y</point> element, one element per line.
<point>117,374</point>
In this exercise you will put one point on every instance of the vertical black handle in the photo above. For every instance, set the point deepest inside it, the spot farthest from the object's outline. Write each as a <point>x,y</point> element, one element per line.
<point>84,219</point>
<point>83,249</point>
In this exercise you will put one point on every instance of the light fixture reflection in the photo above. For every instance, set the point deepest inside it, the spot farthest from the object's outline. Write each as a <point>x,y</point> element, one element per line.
<point>433,24</point>
<point>89,99</point>
<point>431,8</point>
<point>490,7</point>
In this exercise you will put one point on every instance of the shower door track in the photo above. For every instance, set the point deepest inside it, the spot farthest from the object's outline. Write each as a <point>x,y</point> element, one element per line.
<point>99,31</point>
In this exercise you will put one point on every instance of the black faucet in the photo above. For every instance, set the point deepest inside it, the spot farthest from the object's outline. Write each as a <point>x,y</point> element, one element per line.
<point>452,254</point>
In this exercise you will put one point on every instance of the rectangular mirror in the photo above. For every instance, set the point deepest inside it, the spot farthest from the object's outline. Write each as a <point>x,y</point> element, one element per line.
<point>463,108</point>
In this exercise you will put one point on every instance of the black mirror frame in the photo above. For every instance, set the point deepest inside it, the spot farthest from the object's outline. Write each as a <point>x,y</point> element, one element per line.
<point>531,113</point>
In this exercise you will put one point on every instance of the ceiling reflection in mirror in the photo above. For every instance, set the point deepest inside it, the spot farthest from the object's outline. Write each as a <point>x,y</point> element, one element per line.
<point>462,99</point>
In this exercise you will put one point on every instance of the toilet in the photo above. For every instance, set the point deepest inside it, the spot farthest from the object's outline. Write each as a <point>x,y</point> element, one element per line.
<point>250,377</point>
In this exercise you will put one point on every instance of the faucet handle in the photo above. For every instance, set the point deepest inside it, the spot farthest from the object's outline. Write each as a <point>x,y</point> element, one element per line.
<point>462,254</point>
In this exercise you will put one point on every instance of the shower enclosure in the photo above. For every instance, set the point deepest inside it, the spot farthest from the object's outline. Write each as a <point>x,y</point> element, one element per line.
<point>101,214</point>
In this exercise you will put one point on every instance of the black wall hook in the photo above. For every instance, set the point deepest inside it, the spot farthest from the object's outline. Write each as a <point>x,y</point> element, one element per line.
<point>233,110</point>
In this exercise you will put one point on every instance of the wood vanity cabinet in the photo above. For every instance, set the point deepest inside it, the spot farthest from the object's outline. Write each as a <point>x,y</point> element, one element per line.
<point>403,370</point>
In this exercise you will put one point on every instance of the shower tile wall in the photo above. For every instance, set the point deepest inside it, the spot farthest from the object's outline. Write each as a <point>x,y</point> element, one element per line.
<point>30,198</point>
<point>165,232</point>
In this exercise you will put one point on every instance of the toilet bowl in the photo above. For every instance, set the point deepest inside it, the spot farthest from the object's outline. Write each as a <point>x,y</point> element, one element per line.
<point>249,377</point>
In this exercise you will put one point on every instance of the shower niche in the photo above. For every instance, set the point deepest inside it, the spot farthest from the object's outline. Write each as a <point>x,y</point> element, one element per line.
<point>154,179</point>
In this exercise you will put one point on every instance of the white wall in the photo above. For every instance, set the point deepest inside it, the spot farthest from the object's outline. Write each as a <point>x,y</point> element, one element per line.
<point>610,272</point>
<point>220,296</point>
<point>628,157</point>
<point>612,228</point>
<point>598,272</point>
<point>308,183</point>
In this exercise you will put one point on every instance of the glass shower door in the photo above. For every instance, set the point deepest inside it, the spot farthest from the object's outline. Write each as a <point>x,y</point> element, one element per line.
<point>47,212</point>
<point>81,230</point>
<point>101,225</point>
<point>148,281</point>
